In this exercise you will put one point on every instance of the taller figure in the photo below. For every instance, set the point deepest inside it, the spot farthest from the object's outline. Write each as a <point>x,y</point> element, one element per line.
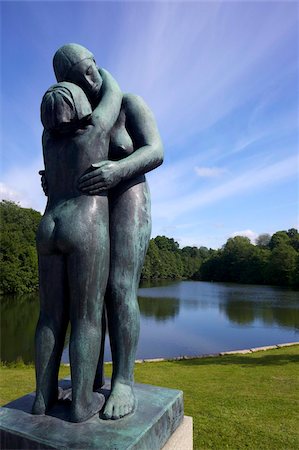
<point>135,148</point>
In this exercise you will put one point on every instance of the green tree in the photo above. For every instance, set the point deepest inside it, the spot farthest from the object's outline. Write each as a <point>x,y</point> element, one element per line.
<point>237,254</point>
<point>18,263</point>
<point>278,238</point>
<point>294,238</point>
<point>164,243</point>
<point>263,240</point>
<point>153,264</point>
<point>213,268</point>
<point>257,268</point>
<point>204,252</point>
<point>283,265</point>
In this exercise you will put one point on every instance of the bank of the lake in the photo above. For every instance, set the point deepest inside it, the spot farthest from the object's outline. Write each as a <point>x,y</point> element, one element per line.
<point>236,401</point>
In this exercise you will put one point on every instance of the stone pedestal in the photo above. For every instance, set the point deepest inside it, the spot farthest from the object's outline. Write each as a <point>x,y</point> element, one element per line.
<point>159,413</point>
<point>182,438</point>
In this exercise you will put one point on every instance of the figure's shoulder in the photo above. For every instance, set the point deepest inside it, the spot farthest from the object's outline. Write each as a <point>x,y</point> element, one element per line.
<point>133,101</point>
<point>133,104</point>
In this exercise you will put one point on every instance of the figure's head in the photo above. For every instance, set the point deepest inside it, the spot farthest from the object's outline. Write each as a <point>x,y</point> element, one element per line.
<point>64,107</point>
<point>76,64</point>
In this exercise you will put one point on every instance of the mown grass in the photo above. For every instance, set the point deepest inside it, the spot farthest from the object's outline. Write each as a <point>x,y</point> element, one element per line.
<point>236,401</point>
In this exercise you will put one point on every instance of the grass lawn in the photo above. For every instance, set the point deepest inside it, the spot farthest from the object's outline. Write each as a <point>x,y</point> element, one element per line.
<point>236,401</point>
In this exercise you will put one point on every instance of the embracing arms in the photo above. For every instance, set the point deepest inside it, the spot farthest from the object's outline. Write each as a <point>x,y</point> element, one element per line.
<point>142,128</point>
<point>107,111</point>
<point>148,154</point>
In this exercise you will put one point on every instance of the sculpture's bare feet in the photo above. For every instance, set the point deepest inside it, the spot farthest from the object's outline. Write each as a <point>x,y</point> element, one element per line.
<point>120,402</point>
<point>79,414</point>
<point>39,406</point>
<point>42,405</point>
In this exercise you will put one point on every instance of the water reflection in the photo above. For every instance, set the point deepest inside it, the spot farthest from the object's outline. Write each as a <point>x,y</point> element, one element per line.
<point>161,309</point>
<point>244,312</point>
<point>19,316</point>
<point>178,318</point>
<point>241,304</point>
<point>244,307</point>
<point>233,314</point>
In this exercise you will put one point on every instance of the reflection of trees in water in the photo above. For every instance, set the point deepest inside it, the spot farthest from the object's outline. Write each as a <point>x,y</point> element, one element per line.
<point>19,317</point>
<point>244,312</point>
<point>241,305</point>
<point>162,309</point>
<point>240,312</point>
<point>285,317</point>
<point>155,283</point>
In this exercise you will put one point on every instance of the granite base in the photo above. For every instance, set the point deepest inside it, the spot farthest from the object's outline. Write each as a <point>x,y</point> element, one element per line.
<point>182,438</point>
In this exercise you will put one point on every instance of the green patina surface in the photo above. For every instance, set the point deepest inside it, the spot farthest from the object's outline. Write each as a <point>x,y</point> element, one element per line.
<point>159,412</point>
<point>92,239</point>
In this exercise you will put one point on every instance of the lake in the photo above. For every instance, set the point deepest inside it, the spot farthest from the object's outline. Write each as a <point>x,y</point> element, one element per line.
<point>178,318</point>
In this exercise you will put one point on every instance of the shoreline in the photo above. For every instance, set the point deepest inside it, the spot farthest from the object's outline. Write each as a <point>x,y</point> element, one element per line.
<point>211,355</point>
<point>186,357</point>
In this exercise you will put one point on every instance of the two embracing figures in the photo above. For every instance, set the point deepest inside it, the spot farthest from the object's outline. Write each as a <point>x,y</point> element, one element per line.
<point>93,237</point>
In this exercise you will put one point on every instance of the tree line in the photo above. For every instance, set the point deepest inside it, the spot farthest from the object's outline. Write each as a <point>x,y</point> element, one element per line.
<point>271,260</point>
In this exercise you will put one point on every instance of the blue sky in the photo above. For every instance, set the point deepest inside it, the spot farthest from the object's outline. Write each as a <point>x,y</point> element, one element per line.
<point>221,79</point>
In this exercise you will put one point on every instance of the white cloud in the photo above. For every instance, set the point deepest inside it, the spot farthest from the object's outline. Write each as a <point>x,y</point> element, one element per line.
<point>187,92</point>
<point>250,180</point>
<point>6,193</point>
<point>252,235</point>
<point>22,184</point>
<point>209,171</point>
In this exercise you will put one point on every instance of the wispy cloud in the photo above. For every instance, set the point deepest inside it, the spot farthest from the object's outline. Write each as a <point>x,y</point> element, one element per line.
<point>248,181</point>
<point>219,76</point>
<point>209,171</point>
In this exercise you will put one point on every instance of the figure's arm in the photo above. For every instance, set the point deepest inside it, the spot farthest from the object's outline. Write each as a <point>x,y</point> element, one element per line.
<point>148,155</point>
<point>107,111</point>
<point>143,130</point>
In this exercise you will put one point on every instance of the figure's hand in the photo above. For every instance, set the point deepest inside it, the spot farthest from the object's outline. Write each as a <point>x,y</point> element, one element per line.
<point>104,175</point>
<point>44,181</point>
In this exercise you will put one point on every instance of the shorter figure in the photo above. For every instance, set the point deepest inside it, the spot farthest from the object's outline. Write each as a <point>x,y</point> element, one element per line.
<point>73,243</point>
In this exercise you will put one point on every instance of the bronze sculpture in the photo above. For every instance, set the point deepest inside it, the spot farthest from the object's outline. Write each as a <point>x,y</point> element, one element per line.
<point>96,150</point>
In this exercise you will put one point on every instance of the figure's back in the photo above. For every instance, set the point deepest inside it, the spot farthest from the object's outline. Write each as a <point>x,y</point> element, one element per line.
<point>68,156</point>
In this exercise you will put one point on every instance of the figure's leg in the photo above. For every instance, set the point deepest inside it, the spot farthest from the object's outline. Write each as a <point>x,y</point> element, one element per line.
<point>50,330</point>
<point>130,227</point>
<point>99,380</point>
<point>87,272</point>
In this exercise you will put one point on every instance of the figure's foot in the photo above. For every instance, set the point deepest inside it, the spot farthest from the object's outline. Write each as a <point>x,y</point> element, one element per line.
<point>39,406</point>
<point>120,403</point>
<point>80,414</point>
